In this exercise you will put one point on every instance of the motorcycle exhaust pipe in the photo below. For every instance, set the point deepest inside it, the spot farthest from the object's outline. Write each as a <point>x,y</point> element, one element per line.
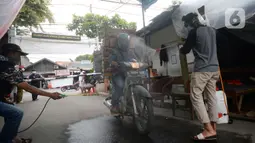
<point>107,103</point>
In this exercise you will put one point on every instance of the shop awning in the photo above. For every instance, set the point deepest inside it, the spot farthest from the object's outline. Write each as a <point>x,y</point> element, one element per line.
<point>8,12</point>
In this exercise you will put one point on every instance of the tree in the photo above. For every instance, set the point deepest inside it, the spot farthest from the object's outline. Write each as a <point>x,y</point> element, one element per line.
<point>88,25</point>
<point>85,57</point>
<point>92,24</point>
<point>117,22</point>
<point>32,14</point>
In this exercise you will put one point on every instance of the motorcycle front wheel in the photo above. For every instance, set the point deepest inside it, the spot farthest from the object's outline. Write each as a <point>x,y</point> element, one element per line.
<point>77,88</point>
<point>63,89</point>
<point>143,121</point>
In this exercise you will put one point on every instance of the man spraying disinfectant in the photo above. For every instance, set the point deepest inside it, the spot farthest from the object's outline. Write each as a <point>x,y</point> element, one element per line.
<point>10,77</point>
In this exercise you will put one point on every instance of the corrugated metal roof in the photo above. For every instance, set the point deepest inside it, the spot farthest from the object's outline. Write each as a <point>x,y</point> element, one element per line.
<point>44,59</point>
<point>81,65</point>
<point>161,21</point>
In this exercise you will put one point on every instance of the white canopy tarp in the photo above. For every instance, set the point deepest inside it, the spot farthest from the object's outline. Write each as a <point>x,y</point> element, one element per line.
<point>214,12</point>
<point>8,12</point>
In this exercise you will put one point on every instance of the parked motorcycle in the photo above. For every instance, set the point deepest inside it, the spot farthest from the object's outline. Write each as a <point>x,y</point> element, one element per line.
<point>70,87</point>
<point>94,78</point>
<point>136,100</point>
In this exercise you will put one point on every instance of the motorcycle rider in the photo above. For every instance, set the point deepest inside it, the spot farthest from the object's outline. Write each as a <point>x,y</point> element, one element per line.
<point>119,54</point>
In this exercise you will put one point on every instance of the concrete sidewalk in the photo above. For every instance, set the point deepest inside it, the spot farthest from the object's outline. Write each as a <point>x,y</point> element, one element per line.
<point>240,127</point>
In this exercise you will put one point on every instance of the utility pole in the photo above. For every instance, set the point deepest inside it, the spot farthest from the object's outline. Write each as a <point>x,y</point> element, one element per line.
<point>90,8</point>
<point>97,37</point>
<point>143,15</point>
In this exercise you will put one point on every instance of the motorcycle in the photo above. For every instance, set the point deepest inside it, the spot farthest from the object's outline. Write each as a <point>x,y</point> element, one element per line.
<point>70,87</point>
<point>94,78</point>
<point>136,100</point>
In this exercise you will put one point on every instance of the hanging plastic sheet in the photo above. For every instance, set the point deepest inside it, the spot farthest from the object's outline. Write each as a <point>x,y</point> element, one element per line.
<point>214,12</point>
<point>8,12</point>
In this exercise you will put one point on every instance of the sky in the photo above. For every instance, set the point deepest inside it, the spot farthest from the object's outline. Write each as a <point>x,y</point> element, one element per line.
<point>64,9</point>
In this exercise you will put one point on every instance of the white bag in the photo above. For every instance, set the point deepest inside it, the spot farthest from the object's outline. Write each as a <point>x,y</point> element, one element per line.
<point>223,117</point>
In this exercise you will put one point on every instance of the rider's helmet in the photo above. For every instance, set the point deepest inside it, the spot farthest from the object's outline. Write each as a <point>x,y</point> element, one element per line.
<point>123,41</point>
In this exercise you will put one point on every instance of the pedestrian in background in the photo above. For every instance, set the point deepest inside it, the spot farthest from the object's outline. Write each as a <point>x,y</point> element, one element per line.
<point>202,40</point>
<point>35,81</point>
<point>20,90</point>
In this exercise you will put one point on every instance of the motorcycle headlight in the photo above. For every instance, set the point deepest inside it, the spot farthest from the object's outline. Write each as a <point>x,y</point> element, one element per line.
<point>135,65</point>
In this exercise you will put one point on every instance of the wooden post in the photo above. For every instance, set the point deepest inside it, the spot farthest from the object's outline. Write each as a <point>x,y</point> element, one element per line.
<point>185,71</point>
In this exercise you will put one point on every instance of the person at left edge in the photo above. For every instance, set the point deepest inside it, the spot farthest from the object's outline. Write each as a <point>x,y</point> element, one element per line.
<point>10,77</point>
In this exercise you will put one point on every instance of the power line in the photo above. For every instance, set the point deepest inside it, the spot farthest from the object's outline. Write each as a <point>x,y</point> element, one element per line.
<point>134,4</point>
<point>155,8</point>
<point>125,4</point>
<point>103,9</point>
<point>122,2</point>
<point>118,7</point>
<point>54,24</point>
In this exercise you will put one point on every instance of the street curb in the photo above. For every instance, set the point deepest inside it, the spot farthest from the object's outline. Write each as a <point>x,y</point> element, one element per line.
<point>103,93</point>
<point>166,113</point>
<point>170,116</point>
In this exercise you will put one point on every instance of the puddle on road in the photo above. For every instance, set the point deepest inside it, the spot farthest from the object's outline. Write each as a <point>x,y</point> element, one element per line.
<point>108,129</point>
<point>96,130</point>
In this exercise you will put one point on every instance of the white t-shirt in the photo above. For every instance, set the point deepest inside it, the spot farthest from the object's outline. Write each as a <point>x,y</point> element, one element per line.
<point>81,77</point>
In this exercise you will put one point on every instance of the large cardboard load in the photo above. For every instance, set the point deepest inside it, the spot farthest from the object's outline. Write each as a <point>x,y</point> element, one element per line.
<point>109,37</point>
<point>97,61</point>
<point>109,43</point>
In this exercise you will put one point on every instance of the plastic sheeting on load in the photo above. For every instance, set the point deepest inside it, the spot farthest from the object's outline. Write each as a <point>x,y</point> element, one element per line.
<point>214,12</point>
<point>97,61</point>
<point>141,51</point>
<point>8,12</point>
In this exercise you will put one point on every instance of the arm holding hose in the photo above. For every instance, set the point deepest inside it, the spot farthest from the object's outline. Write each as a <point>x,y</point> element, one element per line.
<point>32,89</point>
<point>15,77</point>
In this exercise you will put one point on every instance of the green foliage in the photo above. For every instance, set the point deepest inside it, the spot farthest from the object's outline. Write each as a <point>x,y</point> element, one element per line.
<point>92,70</point>
<point>85,57</point>
<point>33,13</point>
<point>117,22</point>
<point>92,24</point>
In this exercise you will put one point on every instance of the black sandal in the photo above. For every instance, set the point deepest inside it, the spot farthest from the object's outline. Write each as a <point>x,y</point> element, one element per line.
<point>29,140</point>
<point>201,137</point>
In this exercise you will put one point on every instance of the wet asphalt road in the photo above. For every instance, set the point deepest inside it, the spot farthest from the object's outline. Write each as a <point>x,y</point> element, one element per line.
<point>79,119</point>
<point>108,129</point>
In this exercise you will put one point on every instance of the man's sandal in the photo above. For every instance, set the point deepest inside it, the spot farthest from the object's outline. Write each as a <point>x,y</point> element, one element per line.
<point>29,140</point>
<point>201,137</point>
